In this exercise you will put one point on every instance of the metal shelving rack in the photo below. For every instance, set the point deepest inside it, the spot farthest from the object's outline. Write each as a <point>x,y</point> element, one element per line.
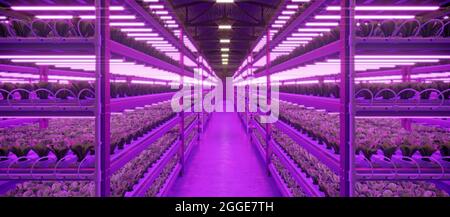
<point>347,106</point>
<point>101,108</point>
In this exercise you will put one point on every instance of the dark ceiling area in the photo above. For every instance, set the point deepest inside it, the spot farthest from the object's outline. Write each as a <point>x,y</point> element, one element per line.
<point>202,18</point>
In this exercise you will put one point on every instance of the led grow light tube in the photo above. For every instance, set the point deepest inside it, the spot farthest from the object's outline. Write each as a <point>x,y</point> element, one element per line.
<point>60,61</point>
<point>403,56</point>
<point>156,6</point>
<point>322,24</point>
<point>54,17</point>
<point>391,61</point>
<point>149,39</point>
<point>374,17</point>
<point>299,38</point>
<point>47,56</point>
<point>127,24</point>
<point>143,34</point>
<point>388,8</point>
<point>305,34</point>
<point>314,30</point>
<point>112,17</point>
<point>136,30</point>
<point>62,8</point>
<point>225,27</point>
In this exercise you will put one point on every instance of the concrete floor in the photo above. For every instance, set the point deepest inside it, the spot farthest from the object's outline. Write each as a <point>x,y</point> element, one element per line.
<point>224,164</point>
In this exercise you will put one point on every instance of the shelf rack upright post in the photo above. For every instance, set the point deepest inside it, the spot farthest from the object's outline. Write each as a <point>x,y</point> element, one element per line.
<point>102,109</point>
<point>268,97</point>
<point>182,107</point>
<point>347,116</point>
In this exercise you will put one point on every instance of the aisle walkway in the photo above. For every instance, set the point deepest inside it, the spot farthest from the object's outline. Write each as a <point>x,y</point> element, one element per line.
<point>224,164</point>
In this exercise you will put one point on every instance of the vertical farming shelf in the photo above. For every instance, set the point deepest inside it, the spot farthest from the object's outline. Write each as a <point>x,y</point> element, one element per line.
<point>79,42</point>
<point>312,81</point>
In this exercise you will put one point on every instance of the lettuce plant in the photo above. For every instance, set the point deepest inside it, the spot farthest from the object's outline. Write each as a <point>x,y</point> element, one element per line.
<point>60,149</point>
<point>41,28</point>
<point>81,149</point>
<point>41,148</point>
<point>445,150</point>
<point>388,149</point>
<point>4,151</point>
<point>21,28</point>
<point>21,149</point>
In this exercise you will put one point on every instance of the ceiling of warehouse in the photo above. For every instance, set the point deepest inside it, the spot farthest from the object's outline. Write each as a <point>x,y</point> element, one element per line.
<point>248,18</point>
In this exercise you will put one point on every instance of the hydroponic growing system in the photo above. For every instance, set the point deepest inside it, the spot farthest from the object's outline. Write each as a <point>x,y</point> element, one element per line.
<point>87,88</point>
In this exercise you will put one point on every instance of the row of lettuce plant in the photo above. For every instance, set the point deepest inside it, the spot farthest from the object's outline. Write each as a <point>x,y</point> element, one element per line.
<point>65,136</point>
<point>383,91</point>
<point>82,90</point>
<point>162,179</point>
<point>328,181</point>
<point>371,135</point>
<point>122,181</point>
<point>72,28</point>
<point>417,28</point>
<point>289,181</point>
